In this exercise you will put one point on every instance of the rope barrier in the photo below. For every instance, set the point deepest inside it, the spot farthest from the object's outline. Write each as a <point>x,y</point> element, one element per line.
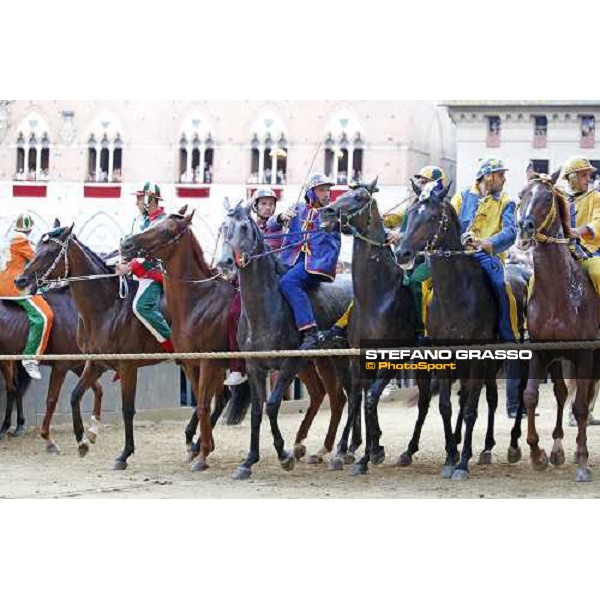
<point>553,345</point>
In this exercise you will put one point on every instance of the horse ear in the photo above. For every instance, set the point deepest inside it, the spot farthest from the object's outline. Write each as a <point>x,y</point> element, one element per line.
<point>183,210</point>
<point>189,217</point>
<point>415,186</point>
<point>56,223</point>
<point>445,191</point>
<point>372,187</point>
<point>226,204</point>
<point>532,175</point>
<point>556,175</point>
<point>70,229</point>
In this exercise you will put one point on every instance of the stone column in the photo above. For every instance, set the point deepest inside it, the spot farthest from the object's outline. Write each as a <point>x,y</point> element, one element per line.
<point>261,163</point>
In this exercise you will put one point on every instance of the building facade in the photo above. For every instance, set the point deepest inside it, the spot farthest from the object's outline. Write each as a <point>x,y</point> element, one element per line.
<point>80,161</point>
<point>545,133</point>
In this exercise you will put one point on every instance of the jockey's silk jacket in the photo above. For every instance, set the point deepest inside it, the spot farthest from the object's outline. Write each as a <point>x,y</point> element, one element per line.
<point>13,259</point>
<point>148,268</point>
<point>587,214</point>
<point>321,250</point>
<point>491,217</point>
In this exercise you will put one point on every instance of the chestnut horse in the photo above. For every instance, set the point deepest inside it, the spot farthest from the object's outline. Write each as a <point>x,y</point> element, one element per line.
<point>563,305</point>
<point>14,328</point>
<point>107,323</point>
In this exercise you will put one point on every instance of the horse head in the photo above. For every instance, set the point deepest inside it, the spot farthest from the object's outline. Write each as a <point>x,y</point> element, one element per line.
<point>428,221</point>
<point>50,260</point>
<point>159,240</point>
<point>543,211</point>
<point>241,236</point>
<point>351,209</point>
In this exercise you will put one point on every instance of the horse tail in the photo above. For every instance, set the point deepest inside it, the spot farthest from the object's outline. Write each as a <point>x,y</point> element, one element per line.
<point>238,405</point>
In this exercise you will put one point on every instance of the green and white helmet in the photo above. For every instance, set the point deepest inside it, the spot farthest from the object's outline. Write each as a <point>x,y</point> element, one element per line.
<point>150,191</point>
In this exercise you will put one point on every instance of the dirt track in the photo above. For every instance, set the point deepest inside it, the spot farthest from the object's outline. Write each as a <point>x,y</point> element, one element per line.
<point>159,470</point>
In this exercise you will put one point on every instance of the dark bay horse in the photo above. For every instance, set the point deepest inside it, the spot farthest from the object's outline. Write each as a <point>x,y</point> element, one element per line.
<point>198,300</point>
<point>563,305</point>
<point>107,323</point>
<point>14,329</point>
<point>16,383</point>
<point>463,309</point>
<point>383,307</point>
<point>267,323</point>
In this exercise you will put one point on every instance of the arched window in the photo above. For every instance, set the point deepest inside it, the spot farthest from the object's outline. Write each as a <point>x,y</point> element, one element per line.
<point>105,151</point>
<point>343,149</point>
<point>196,151</point>
<point>268,152</point>
<point>33,150</point>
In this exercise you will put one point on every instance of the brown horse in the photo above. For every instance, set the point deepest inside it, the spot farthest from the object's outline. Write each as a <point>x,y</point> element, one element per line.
<point>563,306</point>
<point>14,328</point>
<point>107,323</point>
<point>198,302</point>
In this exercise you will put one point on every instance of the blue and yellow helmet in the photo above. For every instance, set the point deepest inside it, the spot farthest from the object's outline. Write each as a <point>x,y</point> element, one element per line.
<point>489,166</point>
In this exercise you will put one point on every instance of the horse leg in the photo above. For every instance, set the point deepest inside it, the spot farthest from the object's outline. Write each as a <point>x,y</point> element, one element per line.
<point>90,374</point>
<point>424,401</point>
<point>557,456</point>
<point>10,397</point>
<point>491,395</point>
<point>460,417</point>
<point>538,456</point>
<point>128,373</point>
<point>316,392</point>
<point>583,368</point>
<point>514,452</point>
<point>57,378</point>
<point>445,404</point>
<point>94,426</point>
<point>193,375</point>
<point>337,401</point>
<point>210,373</point>
<point>476,379</point>
<point>257,376</point>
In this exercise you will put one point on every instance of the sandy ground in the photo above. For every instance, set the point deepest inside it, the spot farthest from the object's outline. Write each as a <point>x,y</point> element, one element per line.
<point>159,469</point>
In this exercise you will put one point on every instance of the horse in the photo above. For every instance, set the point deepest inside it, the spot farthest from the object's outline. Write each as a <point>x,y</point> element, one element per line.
<point>383,307</point>
<point>16,383</point>
<point>198,299</point>
<point>14,329</point>
<point>267,323</point>
<point>563,305</point>
<point>462,309</point>
<point>107,323</point>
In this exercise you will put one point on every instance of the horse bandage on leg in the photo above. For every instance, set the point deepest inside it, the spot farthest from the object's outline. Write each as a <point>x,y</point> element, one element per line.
<point>514,314</point>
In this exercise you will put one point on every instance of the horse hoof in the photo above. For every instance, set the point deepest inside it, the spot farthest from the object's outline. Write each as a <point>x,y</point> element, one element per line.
<point>514,455</point>
<point>242,473</point>
<point>378,457</point>
<point>288,462</point>
<point>404,460</point>
<point>82,449</point>
<point>485,458</point>
<point>314,459</point>
<point>19,431</point>
<point>460,475</point>
<point>336,464</point>
<point>359,469</point>
<point>542,463</point>
<point>557,458</point>
<point>199,465</point>
<point>447,471</point>
<point>120,465</point>
<point>299,451</point>
<point>349,458</point>
<point>583,474</point>
<point>92,436</point>
<point>52,448</point>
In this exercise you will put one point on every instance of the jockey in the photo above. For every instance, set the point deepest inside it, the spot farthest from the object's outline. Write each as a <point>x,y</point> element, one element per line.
<point>487,220</point>
<point>146,304</point>
<point>13,260</point>
<point>419,279</point>
<point>584,204</point>
<point>312,259</point>
<point>264,203</point>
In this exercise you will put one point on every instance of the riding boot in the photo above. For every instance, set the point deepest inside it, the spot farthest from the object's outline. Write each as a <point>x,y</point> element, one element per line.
<point>167,346</point>
<point>310,338</point>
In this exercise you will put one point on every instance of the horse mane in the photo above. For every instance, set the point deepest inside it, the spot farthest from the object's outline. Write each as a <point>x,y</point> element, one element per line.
<point>95,258</point>
<point>198,254</point>
<point>563,211</point>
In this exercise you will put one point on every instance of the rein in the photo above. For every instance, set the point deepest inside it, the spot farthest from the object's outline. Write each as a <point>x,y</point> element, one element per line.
<point>345,221</point>
<point>539,236</point>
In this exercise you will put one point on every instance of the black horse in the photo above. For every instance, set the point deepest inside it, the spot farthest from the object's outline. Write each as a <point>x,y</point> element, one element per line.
<point>267,322</point>
<point>463,309</point>
<point>383,308</point>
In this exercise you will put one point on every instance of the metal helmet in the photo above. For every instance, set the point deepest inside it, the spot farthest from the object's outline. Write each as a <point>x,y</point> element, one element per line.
<point>489,166</point>
<point>433,173</point>
<point>576,164</point>
<point>317,179</point>
<point>23,223</point>
<point>265,192</point>
<point>150,191</point>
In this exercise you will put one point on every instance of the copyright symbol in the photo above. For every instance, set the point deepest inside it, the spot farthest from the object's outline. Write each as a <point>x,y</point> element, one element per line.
<point>370,366</point>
